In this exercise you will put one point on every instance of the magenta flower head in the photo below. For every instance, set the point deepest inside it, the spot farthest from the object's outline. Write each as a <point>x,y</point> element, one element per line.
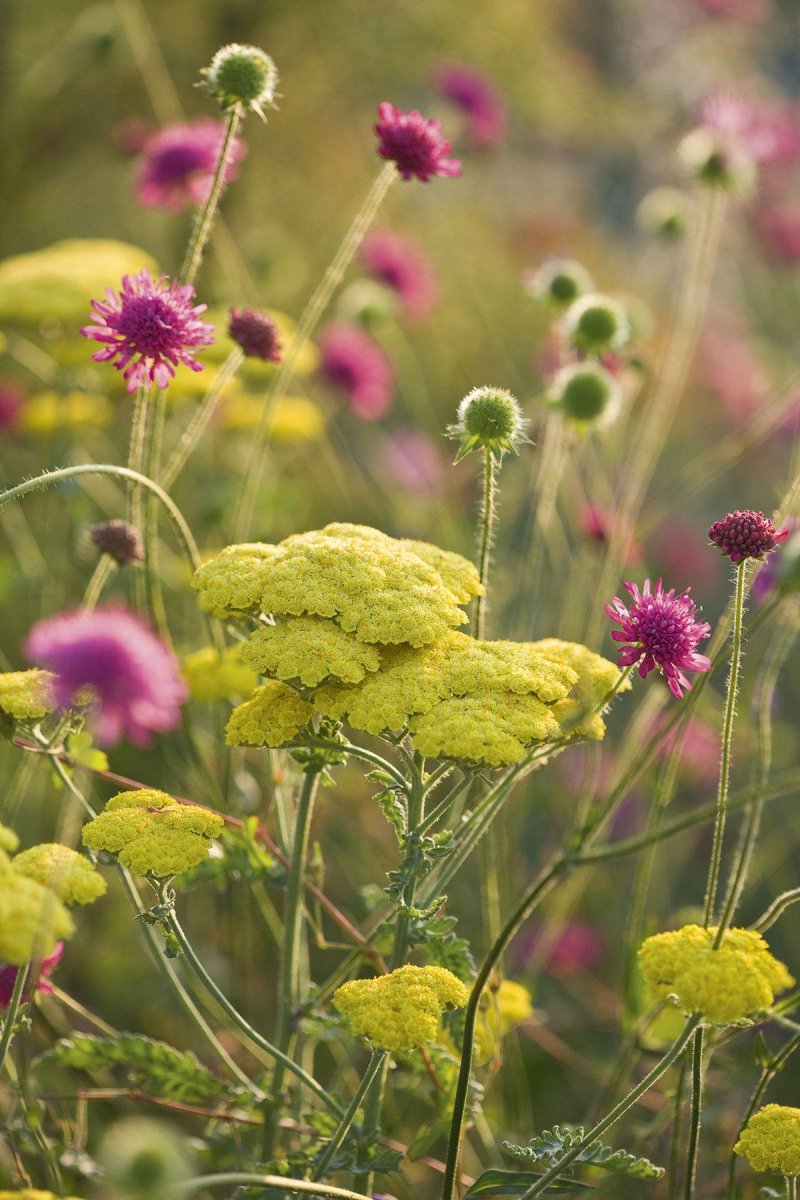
<point>662,631</point>
<point>148,329</point>
<point>354,362</point>
<point>178,163</point>
<point>398,262</point>
<point>8,977</point>
<point>415,145</point>
<point>474,95</point>
<point>133,680</point>
<point>746,534</point>
<point>256,334</point>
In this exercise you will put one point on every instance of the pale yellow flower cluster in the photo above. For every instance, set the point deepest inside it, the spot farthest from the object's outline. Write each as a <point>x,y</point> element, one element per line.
<point>403,1010</point>
<point>771,1140</point>
<point>26,695</point>
<point>211,676</point>
<point>152,833</point>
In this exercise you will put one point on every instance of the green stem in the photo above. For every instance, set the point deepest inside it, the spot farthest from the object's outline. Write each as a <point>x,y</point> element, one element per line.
<point>776,909</point>
<point>488,514</point>
<point>152,460</point>
<point>316,306</point>
<point>791,1187</point>
<point>375,1063</point>
<point>136,457</point>
<point>696,1110</point>
<point>238,1020</point>
<point>673,1175</point>
<point>266,1181</point>
<point>10,1016</point>
<point>100,576</point>
<point>205,218</point>
<point>725,758</point>
<point>201,420</point>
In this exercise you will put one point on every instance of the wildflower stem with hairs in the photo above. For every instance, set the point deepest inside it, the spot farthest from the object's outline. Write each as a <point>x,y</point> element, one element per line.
<point>695,1113</point>
<point>205,218</point>
<point>374,1065</point>
<point>12,1012</point>
<point>136,462</point>
<point>316,306</point>
<point>486,537</point>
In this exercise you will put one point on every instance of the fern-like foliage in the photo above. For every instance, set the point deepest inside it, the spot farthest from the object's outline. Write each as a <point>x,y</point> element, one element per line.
<point>149,1064</point>
<point>550,1145</point>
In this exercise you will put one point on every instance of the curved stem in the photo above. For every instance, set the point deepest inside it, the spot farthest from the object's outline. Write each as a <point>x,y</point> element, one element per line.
<point>316,306</point>
<point>10,1016</point>
<point>696,1110</point>
<point>205,218</point>
<point>280,1182</point>
<point>375,1063</point>
<point>725,758</point>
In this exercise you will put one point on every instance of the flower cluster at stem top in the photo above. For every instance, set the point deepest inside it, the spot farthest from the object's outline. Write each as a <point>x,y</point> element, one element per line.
<point>400,1011</point>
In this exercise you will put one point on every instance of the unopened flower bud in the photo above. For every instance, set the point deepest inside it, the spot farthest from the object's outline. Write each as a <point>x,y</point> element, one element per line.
<point>664,212</point>
<point>746,534</point>
<point>597,323</point>
<point>585,393</point>
<point>488,418</point>
<point>559,281</point>
<point>256,334</point>
<point>119,541</point>
<point>242,75</point>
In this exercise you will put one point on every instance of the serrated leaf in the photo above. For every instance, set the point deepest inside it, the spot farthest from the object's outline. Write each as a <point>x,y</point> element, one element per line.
<point>394,811</point>
<point>514,1183</point>
<point>548,1147</point>
<point>158,1067</point>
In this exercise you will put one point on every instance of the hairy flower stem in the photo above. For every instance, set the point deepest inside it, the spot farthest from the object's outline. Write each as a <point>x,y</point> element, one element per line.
<point>289,973</point>
<point>725,757</point>
<point>136,462</point>
<point>316,306</point>
<point>205,218</point>
<point>279,1182</point>
<point>486,537</point>
<point>329,1153</point>
<point>152,461</point>
<point>11,1013</point>
<point>201,420</point>
<point>696,1113</point>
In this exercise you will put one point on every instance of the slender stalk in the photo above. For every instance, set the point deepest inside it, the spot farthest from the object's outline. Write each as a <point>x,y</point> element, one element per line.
<point>673,1173</point>
<point>316,306</point>
<point>201,1182</point>
<point>11,1013</point>
<point>100,576</point>
<point>725,758</point>
<point>696,1112</point>
<point>205,218</point>
<point>329,1153</point>
<point>136,462</point>
<point>151,465</point>
<point>775,910</point>
<point>486,537</point>
<point>201,420</point>
<point>791,1187</point>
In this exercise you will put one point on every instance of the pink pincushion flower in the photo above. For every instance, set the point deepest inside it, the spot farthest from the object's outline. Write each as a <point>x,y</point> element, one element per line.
<point>8,977</point>
<point>474,95</point>
<point>354,362</point>
<point>663,632</point>
<point>778,229</point>
<point>256,333</point>
<point>415,145</point>
<point>133,679</point>
<point>148,329</point>
<point>575,946</point>
<point>399,263</point>
<point>178,164</point>
<point>770,133</point>
<point>412,460</point>
<point>746,534</point>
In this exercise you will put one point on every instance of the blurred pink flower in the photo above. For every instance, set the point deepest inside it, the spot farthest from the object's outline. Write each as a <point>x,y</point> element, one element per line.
<point>577,946</point>
<point>177,168</point>
<point>778,230</point>
<point>681,550</point>
<point>769,132</point>
<point>596,522</point>
<point>10,404</point>
<point>412,460</point>
<point>353,361</point>
<point>8,977</point>
<point>398,262</point>
<point>730,370</point>
<point>699,748</point>
<point>476,97</point>
<point>749,12</point>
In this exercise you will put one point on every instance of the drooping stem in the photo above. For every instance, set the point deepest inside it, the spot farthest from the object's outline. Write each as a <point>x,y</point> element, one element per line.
<point>205,218</point>
<point>329,1153</point>
<point>725,756</point>
<point>11,1013</point>
<point>486,536</point>
<point>696,1112</point>
<point>316,306</point>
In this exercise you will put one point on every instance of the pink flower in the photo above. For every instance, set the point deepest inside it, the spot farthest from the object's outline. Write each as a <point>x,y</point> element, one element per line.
<point>699,748</point>
<point>769,133</point>
<point>473,94</point>
<point>597,523</point>
<point>178,164</point>
<point>8,977</point>
<point>133,679</point>
<point>354,362</point>
<point>399,263</point>
<point>746,534</point>
<point>411,459</point>
<point>10,405</point>
<point>730,369</point>
<point>778,229</point>
<point>662,631</point>
<point>415,145</point>
<point>256,333</point>
<point>749,12</point>
<point>153,320</point>
<point>576,946</point>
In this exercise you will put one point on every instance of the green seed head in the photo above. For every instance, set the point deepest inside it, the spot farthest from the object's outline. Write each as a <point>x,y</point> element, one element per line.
<point>585,393</point>
<point>717,162</point>
<point>558,282</point>
<point>242,75</point>
<point>596,323</point>
<point>491,418</point>
<point>664,212</point>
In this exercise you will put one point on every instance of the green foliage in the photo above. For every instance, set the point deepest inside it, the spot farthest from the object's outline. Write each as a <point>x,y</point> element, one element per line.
<point>514,1183</point>
<point>550,1145</point>
<point>149,1064</point>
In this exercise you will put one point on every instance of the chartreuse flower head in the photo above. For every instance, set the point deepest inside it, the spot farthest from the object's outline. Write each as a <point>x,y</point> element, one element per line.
<point>242,75</point>
<point>211,676</point>
<point>67,873</point>
<point>26,695</point>
<point>32,918</point>
<point>488,418</point>
<point>597,324</point>
<point>771,1140</point>
<point>401,1011</point>
<point>586,393</point>
<point>273,716</point>
<point>309,650</point>
<point>32,1194</point>
<point>152,833</point>
<point>8,839</point>
<point>730,983</point>
<point>559,281</point>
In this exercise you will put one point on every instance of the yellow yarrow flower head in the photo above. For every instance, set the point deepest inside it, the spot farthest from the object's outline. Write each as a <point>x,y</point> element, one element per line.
<point>67,873</point>
<point>505,1006</point>
<point>211,676</point>
<point>26,695</point>
<point>32,918</point>
<point>309,650</point>
<point>273,716</point>
<point>401,1011</point>
<point>32,1194</point>
<point>771,1140</point>
<point>8,839</point>
<point>152,833</point>
<point>727,984</point>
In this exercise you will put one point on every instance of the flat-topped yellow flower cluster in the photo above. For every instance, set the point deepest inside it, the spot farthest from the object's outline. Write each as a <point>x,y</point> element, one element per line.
<point>26,695</point>
<point>152,833</point>
<point>363,628</point>
<point>771,1140</point>
<point>400,1011</point>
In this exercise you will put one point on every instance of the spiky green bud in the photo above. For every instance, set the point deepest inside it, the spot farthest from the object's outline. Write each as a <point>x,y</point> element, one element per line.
<point>242,75</point>
<point>559,282</point>
<point>597,323</point>
<point>488,418</point>
<point>587,394</point>
<point>664,212</point>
